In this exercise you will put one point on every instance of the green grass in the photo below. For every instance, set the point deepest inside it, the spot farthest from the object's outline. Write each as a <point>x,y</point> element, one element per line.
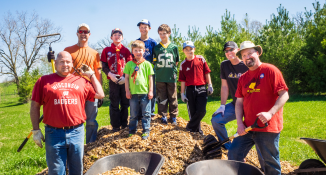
<point>303,117</point>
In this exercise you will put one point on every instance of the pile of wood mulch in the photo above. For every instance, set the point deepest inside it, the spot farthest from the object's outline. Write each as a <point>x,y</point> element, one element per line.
<point>179,147</point>
<point>119,170</point>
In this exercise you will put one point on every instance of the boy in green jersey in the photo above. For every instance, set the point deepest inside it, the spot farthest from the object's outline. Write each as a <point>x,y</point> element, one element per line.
<point>166,58</point>
<point>139,88</point>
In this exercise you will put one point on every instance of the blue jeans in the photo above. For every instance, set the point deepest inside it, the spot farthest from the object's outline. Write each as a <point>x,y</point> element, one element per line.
<point>91,123</point>
<point>154,97</point>
<point>64,148</point>
<point>266,142</point>
<point>139,102</point>
<point>218,123</point>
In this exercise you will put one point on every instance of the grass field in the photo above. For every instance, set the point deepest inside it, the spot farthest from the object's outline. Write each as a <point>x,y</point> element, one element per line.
<point>303,117</point>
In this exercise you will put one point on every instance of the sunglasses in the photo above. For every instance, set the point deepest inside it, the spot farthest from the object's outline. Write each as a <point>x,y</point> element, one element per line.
<point>83,31</point>
<point>227,51</point>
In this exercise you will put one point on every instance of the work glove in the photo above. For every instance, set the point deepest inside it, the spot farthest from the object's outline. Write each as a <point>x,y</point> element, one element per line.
<point>221,109</point>
<point>210,89</point>
<point>99,103</point>
<point>37,137</point>
<point>86,71</point>
<point>51,56</point>
<point>121,81</point>
<point>184,98</point>
<point>113,77</point>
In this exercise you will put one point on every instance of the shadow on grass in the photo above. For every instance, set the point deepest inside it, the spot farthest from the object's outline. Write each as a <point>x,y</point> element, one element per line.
<point>11,104</point>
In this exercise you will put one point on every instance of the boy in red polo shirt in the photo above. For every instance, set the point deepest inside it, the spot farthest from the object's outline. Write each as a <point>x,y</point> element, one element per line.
<point>194,73</point>
<point>114,59</point>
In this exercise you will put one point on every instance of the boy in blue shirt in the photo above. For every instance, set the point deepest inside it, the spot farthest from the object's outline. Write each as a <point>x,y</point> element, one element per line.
<point>144,27</point>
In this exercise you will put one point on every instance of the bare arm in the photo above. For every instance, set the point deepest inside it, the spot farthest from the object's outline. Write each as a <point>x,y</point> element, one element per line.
<point>239,116</point>
<point>128,94</point>
<point>224,91</point>
<point>100,73</point>
<point>97,87</point>
<point>280,102</point>
<point>150,93</point>
<point>35,114</point>
<point>208,78</point>
<point>183,87</point>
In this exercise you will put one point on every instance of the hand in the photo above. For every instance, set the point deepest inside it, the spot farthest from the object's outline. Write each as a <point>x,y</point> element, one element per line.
<point>113,77</point>
<point>150,94</point>
<point>51,56</point>
<point>121,81</point>
<point>184,98</point>
<point>210,89</point>
<point>128,94</point>
<point>86,71</point>
<point>38,137</point>
<point>221,109</point>
<point>241,129</point>
<point>99,103</point>
<point>264,117</point>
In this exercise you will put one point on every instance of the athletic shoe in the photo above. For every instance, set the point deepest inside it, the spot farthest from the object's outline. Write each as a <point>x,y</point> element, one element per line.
<point>174,121</point>
<point>130,135</point>
<point>164,120</point>
<point>145,135</point>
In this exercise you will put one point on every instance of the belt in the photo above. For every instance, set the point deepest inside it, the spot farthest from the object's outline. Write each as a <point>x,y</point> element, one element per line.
<point>65,128</point>
<point>192,86</point>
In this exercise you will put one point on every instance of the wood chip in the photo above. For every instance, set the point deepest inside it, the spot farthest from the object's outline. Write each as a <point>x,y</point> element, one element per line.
<point>179,147</point>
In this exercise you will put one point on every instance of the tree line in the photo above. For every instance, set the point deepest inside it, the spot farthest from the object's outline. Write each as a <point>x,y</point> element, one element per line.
<point>296,45</point>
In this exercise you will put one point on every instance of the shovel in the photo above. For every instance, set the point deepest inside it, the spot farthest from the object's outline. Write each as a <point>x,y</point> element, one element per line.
<point>212,147</point>
<point>53,69</point>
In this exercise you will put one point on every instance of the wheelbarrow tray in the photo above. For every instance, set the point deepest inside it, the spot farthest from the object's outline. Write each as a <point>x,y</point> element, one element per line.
<point>147,163</point>
<point>223,167</point>
<point>319,146</point>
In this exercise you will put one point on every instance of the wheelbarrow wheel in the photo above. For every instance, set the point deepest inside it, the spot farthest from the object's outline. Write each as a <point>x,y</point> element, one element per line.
<point>312,163</point>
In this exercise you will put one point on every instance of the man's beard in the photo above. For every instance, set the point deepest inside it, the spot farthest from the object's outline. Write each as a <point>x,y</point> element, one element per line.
<point>251,63</point>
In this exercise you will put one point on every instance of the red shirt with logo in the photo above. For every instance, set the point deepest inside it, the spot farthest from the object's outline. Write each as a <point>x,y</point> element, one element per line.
<point>193,71</point>
<point>109,56</point>
<point>259,90</point>
<point>63,99</point>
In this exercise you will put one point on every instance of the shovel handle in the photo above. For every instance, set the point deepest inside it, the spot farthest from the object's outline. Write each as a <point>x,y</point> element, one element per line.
<point>29,135</point>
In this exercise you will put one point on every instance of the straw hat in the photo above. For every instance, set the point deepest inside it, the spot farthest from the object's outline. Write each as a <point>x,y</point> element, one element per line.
<point>247,45</point>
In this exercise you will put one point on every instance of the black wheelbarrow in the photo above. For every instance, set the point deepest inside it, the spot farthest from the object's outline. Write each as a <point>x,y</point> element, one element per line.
<point>146,163</point>
<point>314,166</point>
<point>222,167</point>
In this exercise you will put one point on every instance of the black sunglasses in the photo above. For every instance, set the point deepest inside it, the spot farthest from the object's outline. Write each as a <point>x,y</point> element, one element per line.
<point>231,50</point>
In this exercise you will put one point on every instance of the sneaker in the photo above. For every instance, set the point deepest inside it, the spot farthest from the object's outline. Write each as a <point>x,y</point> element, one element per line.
<point>124,127</point>
<point>174,121</point>
<point>145,135</point>
<point>164,120</point>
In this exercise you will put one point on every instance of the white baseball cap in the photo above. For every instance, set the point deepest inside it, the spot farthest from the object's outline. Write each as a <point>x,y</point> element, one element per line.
<point>83,25</point>
<point>144,21</point>
<point>188,43</point>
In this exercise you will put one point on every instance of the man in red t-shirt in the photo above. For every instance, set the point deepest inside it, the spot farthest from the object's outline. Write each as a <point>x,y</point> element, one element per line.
<point>194,73</point>
<point>63,96</point>
<point>261,93</point>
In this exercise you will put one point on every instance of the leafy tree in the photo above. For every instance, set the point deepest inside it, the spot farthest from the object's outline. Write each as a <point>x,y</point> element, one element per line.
<point>281,45</point>
<point>314,50</point>
<point>26,85</point>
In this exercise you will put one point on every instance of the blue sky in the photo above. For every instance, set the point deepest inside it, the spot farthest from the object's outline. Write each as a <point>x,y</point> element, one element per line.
<point>103,16</point>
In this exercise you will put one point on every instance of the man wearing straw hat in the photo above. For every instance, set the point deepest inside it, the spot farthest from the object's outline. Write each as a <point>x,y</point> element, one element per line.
<point>261,92</point>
